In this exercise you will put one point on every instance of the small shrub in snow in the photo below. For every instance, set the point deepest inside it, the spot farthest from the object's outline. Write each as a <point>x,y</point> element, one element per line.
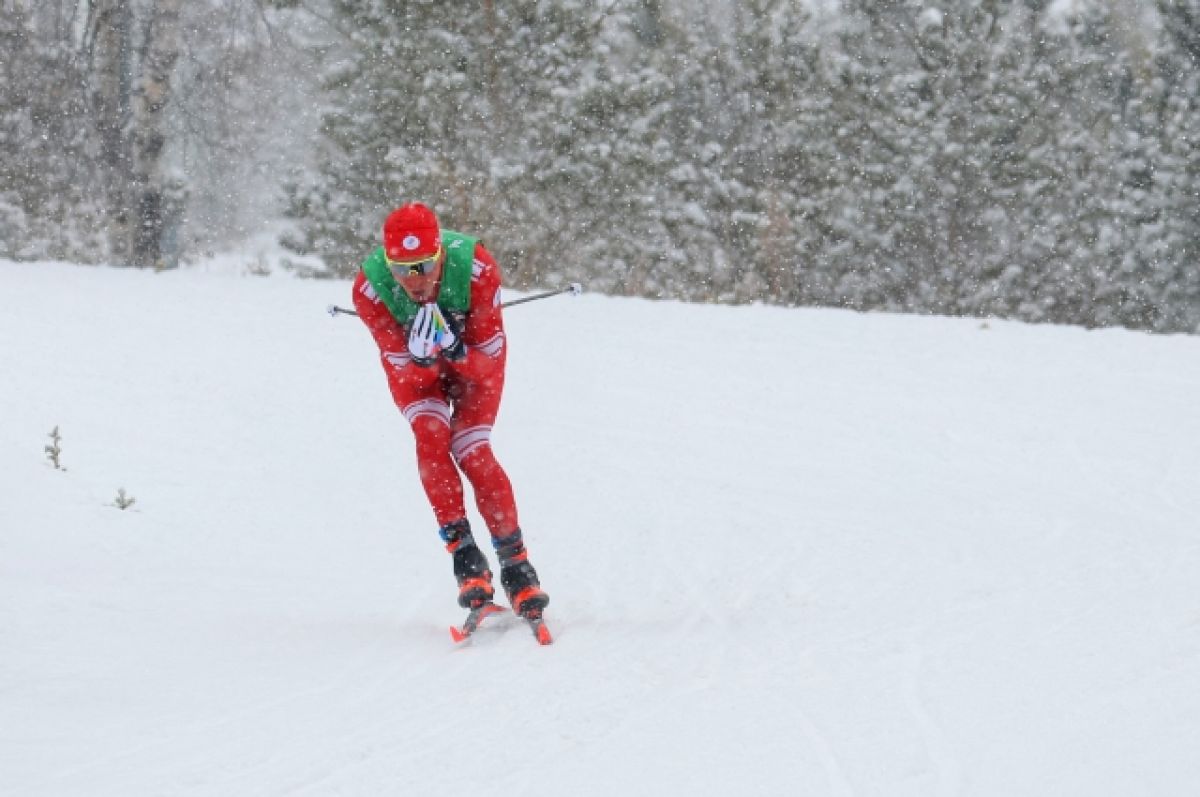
<point>54,449</point>
<point>122,500</point>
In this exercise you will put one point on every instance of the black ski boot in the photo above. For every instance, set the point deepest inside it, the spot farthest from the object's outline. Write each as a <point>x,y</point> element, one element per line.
<point>518,577</point>
<point>470,565</point>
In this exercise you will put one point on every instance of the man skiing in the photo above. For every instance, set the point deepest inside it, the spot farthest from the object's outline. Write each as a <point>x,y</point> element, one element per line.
<point>431,299</point>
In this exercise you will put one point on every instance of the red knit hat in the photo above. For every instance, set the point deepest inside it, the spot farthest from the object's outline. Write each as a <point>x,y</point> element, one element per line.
<point>410,233</point>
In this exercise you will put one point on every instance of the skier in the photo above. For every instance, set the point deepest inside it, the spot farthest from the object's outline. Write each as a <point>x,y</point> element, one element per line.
<point>431,299</point>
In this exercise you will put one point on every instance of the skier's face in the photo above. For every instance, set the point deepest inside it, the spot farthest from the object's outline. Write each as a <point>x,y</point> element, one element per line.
<point>420,280</point>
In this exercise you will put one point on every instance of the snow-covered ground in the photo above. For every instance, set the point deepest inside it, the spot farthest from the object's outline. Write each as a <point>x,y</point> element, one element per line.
<point>789,551</point>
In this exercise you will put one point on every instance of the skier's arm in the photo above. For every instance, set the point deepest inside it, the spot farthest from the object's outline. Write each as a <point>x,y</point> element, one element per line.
<point>388,334</point>
<point>483,332</point>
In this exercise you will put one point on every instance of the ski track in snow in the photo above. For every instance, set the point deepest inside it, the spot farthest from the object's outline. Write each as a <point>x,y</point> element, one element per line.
<point>942,758</point>
<point>789,552</point>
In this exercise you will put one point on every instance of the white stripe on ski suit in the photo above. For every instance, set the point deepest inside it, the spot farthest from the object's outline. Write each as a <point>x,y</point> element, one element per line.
<point>492,346</point>
<point>467,440</point>
<point>430,407</point>
<point>399,359</point>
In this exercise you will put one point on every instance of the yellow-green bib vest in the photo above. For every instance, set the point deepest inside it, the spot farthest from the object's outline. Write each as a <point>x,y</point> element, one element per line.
<point>454,296</point>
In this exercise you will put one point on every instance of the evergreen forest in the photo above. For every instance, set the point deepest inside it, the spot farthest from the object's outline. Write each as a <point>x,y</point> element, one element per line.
<point>992,158</point>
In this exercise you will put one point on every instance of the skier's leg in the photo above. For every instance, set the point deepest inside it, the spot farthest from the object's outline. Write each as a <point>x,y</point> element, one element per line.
<point>421,399</point>
<point>519,579</point>
<point>474,413</point>
<point>470,565</point>
<point>472,449</point>
<point>475,410</point>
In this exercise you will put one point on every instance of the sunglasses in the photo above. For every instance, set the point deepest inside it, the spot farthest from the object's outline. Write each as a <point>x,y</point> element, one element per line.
<point>416,268</point>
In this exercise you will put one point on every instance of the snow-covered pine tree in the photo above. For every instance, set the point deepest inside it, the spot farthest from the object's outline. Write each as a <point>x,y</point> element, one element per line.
<point>595,118</point>
<point>1059,180</point>
<point>1177,272</point>
<point>1133,242</point>
<point>537,56</point>
<point>15,127</point>
<point>943,113</point>
<point>858,259</point>
<point>692,187</point>
<point>127,56</point>
<point>777,117</point>
<point>632,178</point>
<point>238,127</point>
<point>404,120</point>
<point>49,207</point>
<point>1106,152</point>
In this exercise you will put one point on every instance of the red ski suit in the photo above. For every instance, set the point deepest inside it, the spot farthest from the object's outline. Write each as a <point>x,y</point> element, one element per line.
<point>451,406</point>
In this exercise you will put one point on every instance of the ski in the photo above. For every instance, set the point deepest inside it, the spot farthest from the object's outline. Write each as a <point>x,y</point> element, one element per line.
<point>474,618</point>
<point>538,625</point>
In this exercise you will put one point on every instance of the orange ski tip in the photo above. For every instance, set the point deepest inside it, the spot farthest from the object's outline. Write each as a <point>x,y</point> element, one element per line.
<point>456,634</point>
<point>543,635</point>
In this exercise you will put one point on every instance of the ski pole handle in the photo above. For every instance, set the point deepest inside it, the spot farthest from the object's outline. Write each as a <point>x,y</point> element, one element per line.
<point>574,289</point>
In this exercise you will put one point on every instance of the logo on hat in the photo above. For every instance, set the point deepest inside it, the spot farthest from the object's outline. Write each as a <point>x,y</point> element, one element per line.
<point>411,242</point>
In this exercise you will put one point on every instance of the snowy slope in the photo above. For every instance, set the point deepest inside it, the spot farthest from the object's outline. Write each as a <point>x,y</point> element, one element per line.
<point>790,552</point>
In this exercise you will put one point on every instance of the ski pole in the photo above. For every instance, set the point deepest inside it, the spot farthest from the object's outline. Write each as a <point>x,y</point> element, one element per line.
<point>574,289</point>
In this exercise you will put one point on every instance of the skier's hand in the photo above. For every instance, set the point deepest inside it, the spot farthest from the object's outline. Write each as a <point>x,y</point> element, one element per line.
<point>449,339</point>
<point>423,335</point>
